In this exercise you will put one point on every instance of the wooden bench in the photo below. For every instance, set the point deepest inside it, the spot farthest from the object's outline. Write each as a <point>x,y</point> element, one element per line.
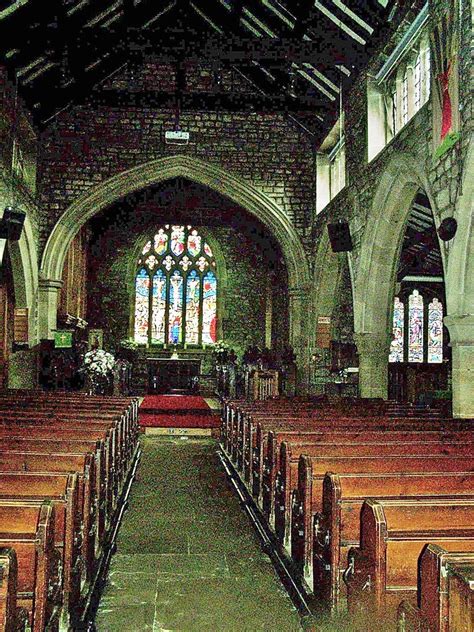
<point>113,427</point>
<point>12,618</point>
<point>262,459</point>
<point>393,534</point>
<point>308,495</point>
<point>62,491</point>
<point>255,439</point>
<point>371,444</point>
<point>103,475</point>
<point>337,527</point>
<point>83,464</point>
<point>107,434</point>
<point>28,528</point>
<point>445,593</point>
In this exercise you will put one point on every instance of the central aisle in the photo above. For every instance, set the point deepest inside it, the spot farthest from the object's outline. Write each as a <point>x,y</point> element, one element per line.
<point>187,557</point>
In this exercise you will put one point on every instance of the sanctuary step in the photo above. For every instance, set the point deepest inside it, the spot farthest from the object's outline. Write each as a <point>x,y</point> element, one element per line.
<point>179,414</point>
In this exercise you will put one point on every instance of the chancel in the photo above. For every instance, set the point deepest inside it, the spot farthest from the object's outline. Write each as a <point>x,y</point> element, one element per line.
<point>236,315</point>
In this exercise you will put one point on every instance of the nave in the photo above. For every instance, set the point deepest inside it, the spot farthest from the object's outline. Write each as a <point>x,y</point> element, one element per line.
<point>187,557</point>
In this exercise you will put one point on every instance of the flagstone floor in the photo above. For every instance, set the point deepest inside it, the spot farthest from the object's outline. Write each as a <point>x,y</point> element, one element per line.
<point>188,559</point>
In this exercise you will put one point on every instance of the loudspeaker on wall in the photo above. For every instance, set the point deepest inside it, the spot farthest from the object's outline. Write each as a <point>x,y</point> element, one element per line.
<point>340,237</point>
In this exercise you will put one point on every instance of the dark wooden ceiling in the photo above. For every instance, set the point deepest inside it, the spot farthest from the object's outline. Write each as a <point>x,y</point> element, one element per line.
<point>294,55</point>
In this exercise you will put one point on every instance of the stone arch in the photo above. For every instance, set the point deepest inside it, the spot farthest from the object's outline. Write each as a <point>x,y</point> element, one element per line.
<point>327,275</point>
<point>460,267</point>
<point>24,258</point>
<point>375,271</point>
<point>155,171</point>
<point>379,250</point>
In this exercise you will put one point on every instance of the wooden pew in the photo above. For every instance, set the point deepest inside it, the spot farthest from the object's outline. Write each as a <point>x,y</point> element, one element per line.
<point>112,426</point>
<point>103,476</point>
<point>17,427</point>
<point>62,491</point>
<point>263,459</point>
<point>284,482</point>
<point>28,528</point>
<point>257,436</point>
<point>12,618</point>
<point>308,495</point>
<point>337,527</point>
<point>393,533</point>
<point>445,593</point>
<point>83,464</point>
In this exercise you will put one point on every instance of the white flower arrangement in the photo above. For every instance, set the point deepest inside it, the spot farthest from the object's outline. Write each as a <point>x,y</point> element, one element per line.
<point>98,363</point>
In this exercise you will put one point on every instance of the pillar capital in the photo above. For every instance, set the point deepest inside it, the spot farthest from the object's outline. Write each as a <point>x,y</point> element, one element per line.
<point>301,292</point>
<point>46,285</point>
<point>47,306</point>
<point>461,329</point>
<point>372,343</point>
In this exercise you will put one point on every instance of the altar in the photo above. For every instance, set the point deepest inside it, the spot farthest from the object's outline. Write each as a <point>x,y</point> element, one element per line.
<point>180,375</point>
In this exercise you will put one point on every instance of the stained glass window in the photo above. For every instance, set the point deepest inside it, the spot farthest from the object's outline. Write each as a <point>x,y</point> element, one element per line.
<point>209,308</point>
<point>415,327</point>
<point>193,287</point>
<point>142,290</point>
<point>158,307</point>
<point>411,340</point>
<point>396,347</point>
<point>435,331</point>
<point>175,289</point>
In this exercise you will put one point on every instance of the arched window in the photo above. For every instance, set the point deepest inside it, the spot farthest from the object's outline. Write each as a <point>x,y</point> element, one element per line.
<point>176,289</point>
<point>412,341</point>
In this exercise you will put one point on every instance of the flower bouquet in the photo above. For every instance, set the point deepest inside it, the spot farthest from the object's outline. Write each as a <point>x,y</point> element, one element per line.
<point>98,367</point>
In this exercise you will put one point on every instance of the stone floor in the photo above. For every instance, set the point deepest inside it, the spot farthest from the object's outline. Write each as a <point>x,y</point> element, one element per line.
<point>187,558</point>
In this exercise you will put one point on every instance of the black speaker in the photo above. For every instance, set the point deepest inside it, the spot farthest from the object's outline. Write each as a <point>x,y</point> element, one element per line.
<point>447,229</point>
<point>11,224</point>
<point>340,237</point>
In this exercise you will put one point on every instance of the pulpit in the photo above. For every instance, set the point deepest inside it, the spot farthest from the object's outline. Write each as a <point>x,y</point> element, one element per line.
<point>180,375</point>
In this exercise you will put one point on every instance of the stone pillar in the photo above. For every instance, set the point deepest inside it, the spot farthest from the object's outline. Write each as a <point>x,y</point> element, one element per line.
<point>48,307</point>
<point>373,350</point>
<point>461,333</point>
<point>299,335</point>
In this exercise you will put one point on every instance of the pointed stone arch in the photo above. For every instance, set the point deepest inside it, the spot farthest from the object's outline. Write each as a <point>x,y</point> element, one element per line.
<point>233,187</point>
<point>155,171</point>
<point>375,272</point>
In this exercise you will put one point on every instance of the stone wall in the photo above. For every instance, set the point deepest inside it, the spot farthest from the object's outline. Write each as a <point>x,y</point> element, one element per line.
<point>244,270</point>
<point>92,143</point>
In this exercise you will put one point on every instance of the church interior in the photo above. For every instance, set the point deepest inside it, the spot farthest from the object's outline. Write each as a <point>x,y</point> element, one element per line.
<point>236,315</point>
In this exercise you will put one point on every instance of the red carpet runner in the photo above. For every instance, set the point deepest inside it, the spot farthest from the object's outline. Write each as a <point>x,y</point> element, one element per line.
<point>177,411</point>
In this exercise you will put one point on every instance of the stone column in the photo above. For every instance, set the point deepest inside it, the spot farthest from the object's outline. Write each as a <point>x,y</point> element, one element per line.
<point>461,332</point>
<point>299,335</point>
<point>48,307</point>
<point>373,350</point>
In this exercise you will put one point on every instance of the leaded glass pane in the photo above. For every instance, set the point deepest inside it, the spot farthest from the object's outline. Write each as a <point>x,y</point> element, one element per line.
<point>158,308</point>
<point>142,289</point>
<point>209,309</point>
<point>396,347</point>
<point>175,306</point>
<point>177,240</point>
<point>177,259</point>
<point>193,285</point>
<point>194,243</point>
<point>161,242</point>
<point>415,327</point>
<point>435,331</point>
